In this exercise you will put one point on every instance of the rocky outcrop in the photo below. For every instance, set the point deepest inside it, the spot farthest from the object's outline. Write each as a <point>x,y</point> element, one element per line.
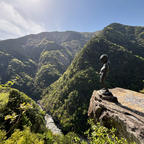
<point>126,115</point>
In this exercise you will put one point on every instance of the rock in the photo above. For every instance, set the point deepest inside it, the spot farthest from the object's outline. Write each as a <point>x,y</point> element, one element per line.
<point>126,114</point>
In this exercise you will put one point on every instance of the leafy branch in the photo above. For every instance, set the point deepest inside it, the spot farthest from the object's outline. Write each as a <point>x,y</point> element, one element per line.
<point>23,108</point>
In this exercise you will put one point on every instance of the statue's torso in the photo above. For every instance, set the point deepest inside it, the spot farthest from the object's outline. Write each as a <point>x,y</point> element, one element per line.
<point>105,69</point>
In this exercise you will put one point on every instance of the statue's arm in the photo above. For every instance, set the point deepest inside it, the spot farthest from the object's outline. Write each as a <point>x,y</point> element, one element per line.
<point>103,70</point>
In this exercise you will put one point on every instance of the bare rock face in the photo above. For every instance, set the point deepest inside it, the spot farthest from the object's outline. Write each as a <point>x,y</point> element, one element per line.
<point>126,114</point>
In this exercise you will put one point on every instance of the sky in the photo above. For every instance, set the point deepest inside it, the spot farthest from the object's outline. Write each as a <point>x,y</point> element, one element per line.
<point>22,17</point>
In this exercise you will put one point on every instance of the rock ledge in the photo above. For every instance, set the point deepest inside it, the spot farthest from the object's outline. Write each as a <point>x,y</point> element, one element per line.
<point>126,115</point>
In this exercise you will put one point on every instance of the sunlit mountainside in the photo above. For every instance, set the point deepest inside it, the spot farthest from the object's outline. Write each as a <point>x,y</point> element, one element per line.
<point>38,60</point>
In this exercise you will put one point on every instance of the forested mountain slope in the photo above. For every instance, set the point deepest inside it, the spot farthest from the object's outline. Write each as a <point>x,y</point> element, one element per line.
<point>38,60</point>
<point>67,99</point>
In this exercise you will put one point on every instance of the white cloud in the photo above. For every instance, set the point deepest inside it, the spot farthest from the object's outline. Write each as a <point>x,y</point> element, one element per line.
<point>14,24</point>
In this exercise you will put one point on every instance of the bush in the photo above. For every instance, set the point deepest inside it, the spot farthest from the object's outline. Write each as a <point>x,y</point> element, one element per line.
<point>21,137</point>
<point>98,134</point>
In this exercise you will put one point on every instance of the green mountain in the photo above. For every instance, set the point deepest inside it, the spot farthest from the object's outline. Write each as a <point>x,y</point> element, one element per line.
<point>39,60</point>
<point>67,99</point>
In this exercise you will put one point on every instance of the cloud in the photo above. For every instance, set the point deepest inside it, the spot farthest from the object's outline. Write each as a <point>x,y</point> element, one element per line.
<point>15,24</point>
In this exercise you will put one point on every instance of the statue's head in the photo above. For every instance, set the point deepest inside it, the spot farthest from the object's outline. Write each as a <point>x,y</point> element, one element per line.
<point>104,58</point>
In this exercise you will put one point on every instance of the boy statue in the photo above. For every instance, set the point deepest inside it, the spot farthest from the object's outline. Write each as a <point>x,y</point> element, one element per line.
<point>103,73</point>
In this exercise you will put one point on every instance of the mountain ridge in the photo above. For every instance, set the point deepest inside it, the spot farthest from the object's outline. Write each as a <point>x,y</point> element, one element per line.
<point>39,60</point>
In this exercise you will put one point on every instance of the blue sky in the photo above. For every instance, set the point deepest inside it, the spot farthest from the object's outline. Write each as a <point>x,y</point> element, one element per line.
<point>22,17</point>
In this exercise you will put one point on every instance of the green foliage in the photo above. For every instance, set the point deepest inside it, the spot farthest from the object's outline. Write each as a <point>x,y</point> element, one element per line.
<point>18,110</point>
<point>8,84</point>
<point>142,91</point>
<point>21,137</point>
<point>11,117</point>
<point>26,136</point>
<point>98,134</point>
<point>4,96</point>
<point>24,107</point>
<point>2,136</point>
<point>20,118</point>
<point>46,75</point>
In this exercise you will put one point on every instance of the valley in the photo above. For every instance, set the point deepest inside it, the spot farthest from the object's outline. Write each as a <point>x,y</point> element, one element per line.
<point>60,71</point>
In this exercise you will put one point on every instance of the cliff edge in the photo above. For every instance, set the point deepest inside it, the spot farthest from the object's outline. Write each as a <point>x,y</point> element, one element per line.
<point>127,116</point>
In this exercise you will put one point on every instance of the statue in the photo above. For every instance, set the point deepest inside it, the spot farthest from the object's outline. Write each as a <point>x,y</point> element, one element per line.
<point>103,73</point>
<point>104,93</point>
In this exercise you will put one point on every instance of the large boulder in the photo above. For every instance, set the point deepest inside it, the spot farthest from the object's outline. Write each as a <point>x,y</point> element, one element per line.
<point>126,115</point>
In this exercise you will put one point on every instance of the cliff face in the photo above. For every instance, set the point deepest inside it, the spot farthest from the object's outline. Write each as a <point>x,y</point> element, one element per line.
<point>127,116</point>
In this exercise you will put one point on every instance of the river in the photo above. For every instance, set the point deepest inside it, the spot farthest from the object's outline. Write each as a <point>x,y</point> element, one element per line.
<point>50,124</point>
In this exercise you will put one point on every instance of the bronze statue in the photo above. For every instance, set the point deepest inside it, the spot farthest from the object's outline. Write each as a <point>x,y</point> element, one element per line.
<point>104,72</point>
<point>105,93</point>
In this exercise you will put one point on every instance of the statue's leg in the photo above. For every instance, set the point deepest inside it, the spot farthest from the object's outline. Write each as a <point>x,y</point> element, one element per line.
<point>102,80</point>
